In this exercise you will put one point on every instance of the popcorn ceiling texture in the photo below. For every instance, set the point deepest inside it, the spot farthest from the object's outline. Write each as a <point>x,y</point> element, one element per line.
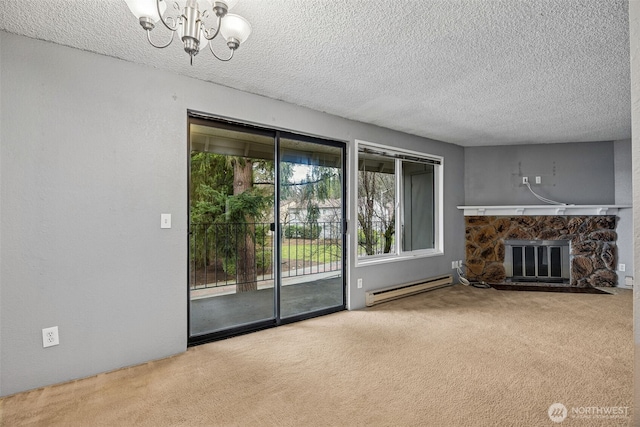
<point>593,255</point>
<point>469,72</point>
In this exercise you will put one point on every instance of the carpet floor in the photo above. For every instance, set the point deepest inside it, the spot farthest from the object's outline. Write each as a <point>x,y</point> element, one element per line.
<point>457,356</point>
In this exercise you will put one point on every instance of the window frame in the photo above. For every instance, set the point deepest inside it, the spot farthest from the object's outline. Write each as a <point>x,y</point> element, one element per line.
<point>438,199</point>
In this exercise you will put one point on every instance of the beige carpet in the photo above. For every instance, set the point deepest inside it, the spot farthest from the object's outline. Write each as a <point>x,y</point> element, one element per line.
<point>457,356</point>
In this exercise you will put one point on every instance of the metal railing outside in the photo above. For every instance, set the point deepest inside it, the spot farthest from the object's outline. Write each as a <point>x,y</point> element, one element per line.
<point>222,253</point>
<point>375,238</point>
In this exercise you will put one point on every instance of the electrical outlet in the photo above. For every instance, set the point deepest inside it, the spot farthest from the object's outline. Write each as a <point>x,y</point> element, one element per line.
<point>622,267</point>
<point>525,179</point>
<point>360,283</point>
<point>538,180</point>
<point>165,220</point>
<point>453,265</point>
<point>50,337</point>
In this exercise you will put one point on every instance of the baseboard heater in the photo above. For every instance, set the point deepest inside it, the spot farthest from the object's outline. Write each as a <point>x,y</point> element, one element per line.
<point>406,289</point>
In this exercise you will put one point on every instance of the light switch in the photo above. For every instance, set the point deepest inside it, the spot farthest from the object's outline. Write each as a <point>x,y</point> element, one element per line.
<point>165,220</point>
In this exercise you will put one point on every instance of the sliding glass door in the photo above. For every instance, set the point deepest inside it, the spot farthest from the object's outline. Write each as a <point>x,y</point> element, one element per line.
<point>231,192</point>
<point>312,219</point>
<point>248,270</point>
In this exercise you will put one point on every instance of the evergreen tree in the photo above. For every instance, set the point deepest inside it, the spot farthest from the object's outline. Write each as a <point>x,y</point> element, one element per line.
<point>226,204</point>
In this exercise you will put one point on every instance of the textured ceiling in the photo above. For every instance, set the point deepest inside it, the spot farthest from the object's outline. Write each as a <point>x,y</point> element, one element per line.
<point>471,72</point>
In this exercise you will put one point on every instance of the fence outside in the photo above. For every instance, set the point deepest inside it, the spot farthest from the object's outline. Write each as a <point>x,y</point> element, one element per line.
<point>377,238</point>
<point>222,253</point>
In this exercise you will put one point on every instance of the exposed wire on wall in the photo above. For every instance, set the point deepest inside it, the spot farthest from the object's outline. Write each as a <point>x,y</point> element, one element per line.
<point>466,281</point>
<point>463,279</point>
<point>543,199</point>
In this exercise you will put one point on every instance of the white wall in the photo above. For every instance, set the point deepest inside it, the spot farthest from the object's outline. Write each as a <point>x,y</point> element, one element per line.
<point>634,40</point>
<point>92,150</point>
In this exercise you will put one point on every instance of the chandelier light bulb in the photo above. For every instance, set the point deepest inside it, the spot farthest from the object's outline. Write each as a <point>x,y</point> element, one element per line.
<point>235,29</point>
<point>146,9</point>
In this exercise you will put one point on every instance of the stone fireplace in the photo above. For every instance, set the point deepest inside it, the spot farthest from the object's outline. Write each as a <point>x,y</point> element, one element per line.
<point>591,251</point>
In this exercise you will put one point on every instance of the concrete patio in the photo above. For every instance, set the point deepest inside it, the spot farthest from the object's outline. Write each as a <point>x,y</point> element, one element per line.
<point>298,295</point>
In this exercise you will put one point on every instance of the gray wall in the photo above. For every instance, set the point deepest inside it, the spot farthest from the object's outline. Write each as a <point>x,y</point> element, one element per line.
<point>580,173</point>
<point>91,166</point>
<point>1,215</point>
<point>624,196</point>
<point>92,150</point>
<point>634,41</point>
<point>387,274</point>
<point>622,172</point>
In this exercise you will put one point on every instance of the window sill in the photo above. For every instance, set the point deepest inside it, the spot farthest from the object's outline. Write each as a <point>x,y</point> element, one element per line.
<point>375,260</point>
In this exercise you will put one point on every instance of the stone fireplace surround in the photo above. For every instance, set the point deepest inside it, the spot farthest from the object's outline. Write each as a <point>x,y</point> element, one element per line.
<point>593,250</point>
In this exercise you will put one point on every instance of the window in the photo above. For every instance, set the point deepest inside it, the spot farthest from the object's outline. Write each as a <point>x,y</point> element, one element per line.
<point>399,203</point>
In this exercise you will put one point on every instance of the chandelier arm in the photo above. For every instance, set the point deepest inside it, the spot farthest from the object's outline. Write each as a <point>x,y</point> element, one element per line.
<point>216,33</point>
<point>217,57</point>
<point>173,33</point>
<point>175,26</point>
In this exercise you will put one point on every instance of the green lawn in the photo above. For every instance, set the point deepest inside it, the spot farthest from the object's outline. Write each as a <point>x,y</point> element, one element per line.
<point>316,252</point>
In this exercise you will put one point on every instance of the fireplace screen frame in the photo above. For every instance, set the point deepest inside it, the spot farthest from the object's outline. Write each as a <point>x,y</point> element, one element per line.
<point>536,256</point>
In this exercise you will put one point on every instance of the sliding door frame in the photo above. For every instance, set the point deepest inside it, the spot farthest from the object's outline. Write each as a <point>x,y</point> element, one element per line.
<point>277,133</point>
<point>343,146</point>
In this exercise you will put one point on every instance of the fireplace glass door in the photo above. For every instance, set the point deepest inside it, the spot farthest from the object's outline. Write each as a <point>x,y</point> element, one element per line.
<point>537,260</point>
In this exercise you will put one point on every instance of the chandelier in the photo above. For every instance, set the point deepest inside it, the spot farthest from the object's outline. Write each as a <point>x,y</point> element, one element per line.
<point>188,20</point>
